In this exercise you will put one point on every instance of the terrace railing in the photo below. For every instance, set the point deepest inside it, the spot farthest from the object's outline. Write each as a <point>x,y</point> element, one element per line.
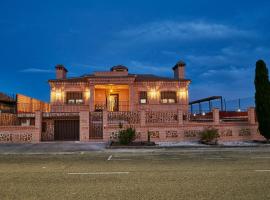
<point>68,107</point>
<point>154,117</point>
<point>120,106</point>
<point>201,117</point>
<point>124,117</point>
<point>233,116</point>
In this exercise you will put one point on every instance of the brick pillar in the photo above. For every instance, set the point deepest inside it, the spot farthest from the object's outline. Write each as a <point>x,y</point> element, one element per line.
<point>251,115</point>
<point>215,115</point>
<point>180,117</point>
<point>131,98</point>
<point>142,118</point>
<point>92,98</point>
<point>106,134</point>
<point>38,126</point>
<point>84,126</point>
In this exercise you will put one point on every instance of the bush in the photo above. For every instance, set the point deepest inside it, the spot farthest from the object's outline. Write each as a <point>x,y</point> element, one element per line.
<point>126,136</point>
<point>209,136</point>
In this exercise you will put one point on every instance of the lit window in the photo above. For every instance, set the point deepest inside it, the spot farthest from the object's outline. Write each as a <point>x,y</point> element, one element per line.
<point>143,97</point>
<point>74,98</point>
<point>168,97</point>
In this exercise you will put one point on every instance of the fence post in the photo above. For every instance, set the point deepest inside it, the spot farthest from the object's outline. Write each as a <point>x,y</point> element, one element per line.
<point>251,115</point>
<point>215,116</point>
<point>142,117</point>
<point>84,125</point>
<point>38,126</point>
<point>180,117</point>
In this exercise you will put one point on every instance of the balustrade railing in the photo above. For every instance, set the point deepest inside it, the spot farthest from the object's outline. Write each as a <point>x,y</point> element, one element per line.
<point>153,117</point>
<point>112,106</point>
<point>233,116</point>
<point>68,107</point>
<point>201,117</point>
<point>124,117</point>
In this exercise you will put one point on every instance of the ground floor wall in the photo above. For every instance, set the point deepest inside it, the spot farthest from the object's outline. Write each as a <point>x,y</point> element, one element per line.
<point>169,126</point>
<point>188,132</point>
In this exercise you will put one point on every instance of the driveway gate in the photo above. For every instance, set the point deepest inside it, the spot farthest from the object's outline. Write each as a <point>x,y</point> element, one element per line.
<point>96,125</point>
<point>66,130</point>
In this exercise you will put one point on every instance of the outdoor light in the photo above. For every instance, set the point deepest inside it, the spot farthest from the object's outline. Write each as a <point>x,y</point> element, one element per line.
<point>87,94</point>
<point>203,113</point>
<point>238,110</point>
<point>153,93</point>
<point>182,93</point>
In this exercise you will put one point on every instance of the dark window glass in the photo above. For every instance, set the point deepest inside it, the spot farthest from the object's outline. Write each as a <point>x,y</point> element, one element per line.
<point>168,97</point>
<point>143,97</point>
<point>74,98</point>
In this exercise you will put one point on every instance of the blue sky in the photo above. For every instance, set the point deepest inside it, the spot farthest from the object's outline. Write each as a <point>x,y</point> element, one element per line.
<point>219,40</point>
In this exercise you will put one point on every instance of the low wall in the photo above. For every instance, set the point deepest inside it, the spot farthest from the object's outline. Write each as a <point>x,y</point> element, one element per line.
<point>19,134</point>
<point>188,132</point>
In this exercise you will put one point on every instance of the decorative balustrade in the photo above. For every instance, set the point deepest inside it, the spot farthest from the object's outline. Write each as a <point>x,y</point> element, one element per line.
<point>233,116</point>
<point>124,117</point>
<point>153,117</point>
<point>201,117</point>
<point>68,107</point>
<point>7,119</point>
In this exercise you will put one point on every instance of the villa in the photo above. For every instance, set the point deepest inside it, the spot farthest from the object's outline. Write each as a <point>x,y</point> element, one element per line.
<point>93,107</point>
<point>118,90</point>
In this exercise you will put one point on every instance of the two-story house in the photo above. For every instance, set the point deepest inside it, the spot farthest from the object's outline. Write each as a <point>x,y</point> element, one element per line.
<point>118,90</point>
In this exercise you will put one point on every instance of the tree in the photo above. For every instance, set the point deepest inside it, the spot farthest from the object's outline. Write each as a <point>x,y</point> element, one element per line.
<point>262,98</point>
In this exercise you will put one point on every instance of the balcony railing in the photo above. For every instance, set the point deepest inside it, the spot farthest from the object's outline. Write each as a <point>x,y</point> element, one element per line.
<point>68,107</point>
<point>113,107</point>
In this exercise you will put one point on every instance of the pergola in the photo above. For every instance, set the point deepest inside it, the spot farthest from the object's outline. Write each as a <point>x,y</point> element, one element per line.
<point>209,100</point>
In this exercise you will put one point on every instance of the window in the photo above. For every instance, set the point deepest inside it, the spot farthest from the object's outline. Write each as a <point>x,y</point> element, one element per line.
<point>143,97</point>
<point>168,97</point>
<point>74,98</point>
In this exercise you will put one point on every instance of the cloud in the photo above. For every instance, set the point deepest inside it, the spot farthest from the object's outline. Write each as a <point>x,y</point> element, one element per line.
<point>36,70</point>
<point>173,30</point>
<point>142,67</point>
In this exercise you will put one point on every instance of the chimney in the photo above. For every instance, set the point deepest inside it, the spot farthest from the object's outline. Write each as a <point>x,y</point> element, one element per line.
<point>179,70</point>
<point>61,72</point>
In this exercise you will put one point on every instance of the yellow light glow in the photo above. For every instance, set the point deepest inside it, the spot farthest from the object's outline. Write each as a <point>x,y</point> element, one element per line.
<point>111,90</point>
<point>153,93</point>
<point>183,94</point>
<point>87,94</point>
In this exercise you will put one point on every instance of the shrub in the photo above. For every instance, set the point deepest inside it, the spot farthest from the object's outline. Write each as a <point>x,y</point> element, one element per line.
<point>126,136</point>
<point>209,136</point>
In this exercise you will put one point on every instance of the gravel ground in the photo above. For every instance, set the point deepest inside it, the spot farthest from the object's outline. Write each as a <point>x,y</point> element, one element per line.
<point>234,173</point>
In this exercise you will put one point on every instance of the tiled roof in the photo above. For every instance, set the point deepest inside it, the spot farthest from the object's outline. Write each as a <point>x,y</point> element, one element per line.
<point>151,77</point>
<point>6,98</point>
<point>138,78</point>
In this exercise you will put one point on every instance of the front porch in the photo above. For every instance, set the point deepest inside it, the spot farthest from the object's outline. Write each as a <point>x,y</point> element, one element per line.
<point>112,98</point>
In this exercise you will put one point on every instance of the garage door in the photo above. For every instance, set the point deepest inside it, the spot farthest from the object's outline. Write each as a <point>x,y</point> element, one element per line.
<point>66,130</point>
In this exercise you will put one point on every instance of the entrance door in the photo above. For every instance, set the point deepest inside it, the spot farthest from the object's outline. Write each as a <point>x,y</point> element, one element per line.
<point>113,102</point>
<point>66,130</point>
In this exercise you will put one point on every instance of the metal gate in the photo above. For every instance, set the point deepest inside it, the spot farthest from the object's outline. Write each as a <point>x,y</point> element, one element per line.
<point>96,125</point>
<point>66,130</point>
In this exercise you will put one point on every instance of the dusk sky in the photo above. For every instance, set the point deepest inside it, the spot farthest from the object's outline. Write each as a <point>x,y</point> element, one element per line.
<point>220,41</point>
